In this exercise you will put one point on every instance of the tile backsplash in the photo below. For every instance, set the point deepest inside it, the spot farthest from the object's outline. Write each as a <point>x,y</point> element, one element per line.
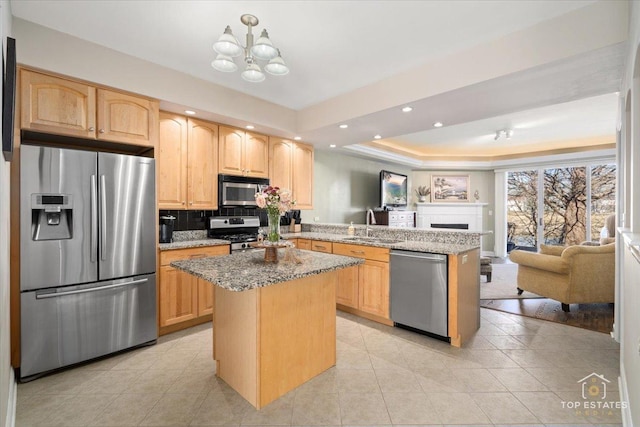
<point>197,220</point>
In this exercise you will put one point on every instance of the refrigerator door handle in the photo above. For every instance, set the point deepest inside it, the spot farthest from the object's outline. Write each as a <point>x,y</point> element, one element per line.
<point>103,218</point>
<point>83,291</point>
<point>94,218</point>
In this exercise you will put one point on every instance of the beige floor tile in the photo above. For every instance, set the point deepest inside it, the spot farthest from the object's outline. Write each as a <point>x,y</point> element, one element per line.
<point>489,329</point>
<point>174,359</point>
<point>127,410</point>
<point>153,381</point>
<point>276,413</point>
<point>357,381</point>
<point>397,381</point>
<point>203,362</point>
<point>393,360</point>
<point>36,410</point>
<point>316,409</point>
<point>529,358</point>
<point>599,414</point>
<point>109,382</point>
<point>439,381</point>
<point>363,409</point>
<point>174,409</point>
<point>504,342</point>
<point>80,411</point>
<point>137,361</point>
<point>480,342</point>
<point>353,359</point>
<point>221,409</point>
<point>410,408</point>
<point>490,359</point>
<point>65,382</point>
<point>478,380</point>
<point>547,407</point>
<point>457,408</point>
<point>195,382</point>
<point>518,379</point>
<point>560,379</point>
<point>502,408</point>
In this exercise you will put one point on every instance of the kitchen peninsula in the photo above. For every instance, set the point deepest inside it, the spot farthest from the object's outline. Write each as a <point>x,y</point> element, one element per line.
<point>274,324</point>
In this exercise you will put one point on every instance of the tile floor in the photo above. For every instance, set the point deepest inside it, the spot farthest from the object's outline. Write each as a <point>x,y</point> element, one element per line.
<point>516,371</point>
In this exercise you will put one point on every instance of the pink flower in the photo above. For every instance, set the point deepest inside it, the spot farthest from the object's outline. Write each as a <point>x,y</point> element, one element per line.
<point>261,201</point>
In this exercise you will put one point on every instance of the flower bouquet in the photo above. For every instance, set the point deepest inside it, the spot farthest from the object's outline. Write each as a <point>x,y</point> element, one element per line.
<point>275,201</point>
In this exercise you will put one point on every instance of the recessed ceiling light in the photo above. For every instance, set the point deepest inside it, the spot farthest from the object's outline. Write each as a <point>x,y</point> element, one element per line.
<point>249,127</point>
<point>407,109</point>
<point>437,125</point>
<point>190,112</point>
<point>297,138</point>
<point>344,126</point>
<point>332,146</point>
<point>377,137</point>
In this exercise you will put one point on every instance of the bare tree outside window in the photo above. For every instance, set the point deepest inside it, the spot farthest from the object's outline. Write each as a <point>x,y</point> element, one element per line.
<point>603,196</point>
<point>522,208</point>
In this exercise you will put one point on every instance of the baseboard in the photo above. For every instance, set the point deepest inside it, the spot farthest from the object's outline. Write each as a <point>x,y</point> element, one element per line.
<point>624,397</point>
<point>13,396</point>
<point>490,254</point>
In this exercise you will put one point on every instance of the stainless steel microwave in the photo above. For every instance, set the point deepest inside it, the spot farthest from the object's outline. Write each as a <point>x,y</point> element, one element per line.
<point>239,191</point>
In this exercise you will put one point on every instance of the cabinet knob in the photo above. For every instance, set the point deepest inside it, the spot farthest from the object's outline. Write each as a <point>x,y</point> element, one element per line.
<point>101,131</point>
<point>91,129</point>
<point>183,202</point>
<point>190,203</point>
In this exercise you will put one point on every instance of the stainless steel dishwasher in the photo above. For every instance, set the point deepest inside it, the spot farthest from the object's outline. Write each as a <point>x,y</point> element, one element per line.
<point>419,291</point>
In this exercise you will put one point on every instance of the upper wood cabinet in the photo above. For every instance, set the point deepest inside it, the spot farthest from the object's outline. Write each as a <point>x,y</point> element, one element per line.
<point>291,166</point>
<point>187,163</point>
<point>60,106</point>
<point>243,153</point>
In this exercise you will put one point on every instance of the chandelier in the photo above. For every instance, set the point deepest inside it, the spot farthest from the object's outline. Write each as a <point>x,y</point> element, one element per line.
<point>228,48</point>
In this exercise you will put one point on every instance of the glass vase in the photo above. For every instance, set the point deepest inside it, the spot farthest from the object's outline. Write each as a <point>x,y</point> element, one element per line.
<point>273,230</point>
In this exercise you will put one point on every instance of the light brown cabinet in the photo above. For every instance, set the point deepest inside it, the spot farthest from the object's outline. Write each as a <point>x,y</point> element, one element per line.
<point>291,166</point>
<point>366,290</point>
<point>243,153</point>
<point>66,107</point>
<point>184,300</point>
<point>187,163</point>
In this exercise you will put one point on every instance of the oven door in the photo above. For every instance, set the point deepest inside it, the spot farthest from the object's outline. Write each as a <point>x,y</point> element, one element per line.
<point>239,194</point>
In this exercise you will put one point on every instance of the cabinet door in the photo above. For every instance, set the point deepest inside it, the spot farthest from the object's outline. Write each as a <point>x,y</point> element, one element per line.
<point>256,155</point>
<point>280,161</point>
<point>128,119</point>
<point>302,176</point>
<point>178,296</point>
<point>230,150</point>
<point>54,105</point>
<point>171,162</point>
<point>205,298</point>
<point>304,244</point>
<point>373,284</point>
<point>347,287</point>
<point>202,166</point>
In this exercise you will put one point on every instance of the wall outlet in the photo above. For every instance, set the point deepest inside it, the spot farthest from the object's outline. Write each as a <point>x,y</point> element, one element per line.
<point>316,218</point>
<point>465,258</point>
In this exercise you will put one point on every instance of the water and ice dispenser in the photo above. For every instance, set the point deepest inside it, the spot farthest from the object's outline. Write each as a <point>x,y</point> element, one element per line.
<point>51,216</point>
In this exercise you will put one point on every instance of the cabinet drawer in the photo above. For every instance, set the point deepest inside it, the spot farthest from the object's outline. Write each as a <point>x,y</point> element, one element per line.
<point>166,257</point>
<point>321,246</point>
<point>361,251</point>
<point>304,244</point>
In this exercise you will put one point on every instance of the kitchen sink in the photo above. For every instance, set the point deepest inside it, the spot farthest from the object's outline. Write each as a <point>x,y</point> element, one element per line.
<point>363,239</point>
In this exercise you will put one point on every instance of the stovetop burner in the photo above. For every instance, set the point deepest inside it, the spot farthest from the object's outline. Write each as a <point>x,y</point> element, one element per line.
<point>241,237</point>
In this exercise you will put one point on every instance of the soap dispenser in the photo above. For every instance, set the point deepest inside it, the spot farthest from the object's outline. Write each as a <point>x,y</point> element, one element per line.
<point>351,230</point>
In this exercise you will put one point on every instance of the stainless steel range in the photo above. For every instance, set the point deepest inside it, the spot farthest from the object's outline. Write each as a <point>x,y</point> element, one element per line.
<point>239,230</point>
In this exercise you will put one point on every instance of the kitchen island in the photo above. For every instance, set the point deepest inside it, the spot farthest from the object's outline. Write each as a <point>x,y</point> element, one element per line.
<point>274,324</point>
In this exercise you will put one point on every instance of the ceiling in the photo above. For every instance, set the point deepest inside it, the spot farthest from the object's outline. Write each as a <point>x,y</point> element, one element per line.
<point>335,48</point>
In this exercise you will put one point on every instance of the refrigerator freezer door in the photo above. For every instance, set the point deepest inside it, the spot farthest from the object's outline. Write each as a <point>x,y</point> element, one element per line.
<point>127,215</point>
<point>68,325</point>
<point>57,217</point>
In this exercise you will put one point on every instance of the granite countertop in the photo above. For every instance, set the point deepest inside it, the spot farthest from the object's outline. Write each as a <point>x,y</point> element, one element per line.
<point>409,245</point>
<point>197,243</point>
<point>247,270</point>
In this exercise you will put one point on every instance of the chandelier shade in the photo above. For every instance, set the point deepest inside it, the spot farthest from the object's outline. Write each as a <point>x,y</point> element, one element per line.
<point>228,47</point>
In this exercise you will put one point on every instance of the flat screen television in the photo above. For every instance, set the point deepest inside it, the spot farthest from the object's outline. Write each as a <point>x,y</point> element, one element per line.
<point>393,189</point>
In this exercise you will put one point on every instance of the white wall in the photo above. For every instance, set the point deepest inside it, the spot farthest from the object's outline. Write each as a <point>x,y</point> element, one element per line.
<point>630,315</point>
<point>346,186</point>
<point>483,181</point>
<point>7,382</point>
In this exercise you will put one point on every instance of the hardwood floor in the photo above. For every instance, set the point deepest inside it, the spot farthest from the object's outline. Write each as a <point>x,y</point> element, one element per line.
<point>595,317</point>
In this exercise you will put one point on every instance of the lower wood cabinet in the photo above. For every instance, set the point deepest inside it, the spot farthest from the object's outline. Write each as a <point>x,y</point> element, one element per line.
<point>184,300</point>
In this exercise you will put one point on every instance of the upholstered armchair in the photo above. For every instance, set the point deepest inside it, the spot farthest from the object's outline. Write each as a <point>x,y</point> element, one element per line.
<point>572,275</point>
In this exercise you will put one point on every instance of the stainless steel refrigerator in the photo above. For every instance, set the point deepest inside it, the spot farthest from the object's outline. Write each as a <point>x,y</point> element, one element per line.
<point>87,255</point>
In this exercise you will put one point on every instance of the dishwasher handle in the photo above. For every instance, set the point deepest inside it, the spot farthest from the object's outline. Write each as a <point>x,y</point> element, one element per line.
<point>435,259</point>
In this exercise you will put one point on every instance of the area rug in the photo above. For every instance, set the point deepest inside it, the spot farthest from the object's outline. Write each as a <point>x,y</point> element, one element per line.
<point>503,284</point>
<point>595,317</point>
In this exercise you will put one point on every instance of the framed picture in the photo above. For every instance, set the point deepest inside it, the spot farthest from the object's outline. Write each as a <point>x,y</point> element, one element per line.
<point>450,188</point>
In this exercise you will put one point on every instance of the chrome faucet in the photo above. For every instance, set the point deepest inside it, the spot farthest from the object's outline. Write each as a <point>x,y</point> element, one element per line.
<point>373,221</point>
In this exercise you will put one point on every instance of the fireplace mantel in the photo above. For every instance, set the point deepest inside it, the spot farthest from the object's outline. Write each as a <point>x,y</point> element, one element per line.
<point>450,213</point>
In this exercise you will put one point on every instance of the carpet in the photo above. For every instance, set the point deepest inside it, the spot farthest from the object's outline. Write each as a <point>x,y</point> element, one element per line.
<point>503,284</point>
<point>595,317</point>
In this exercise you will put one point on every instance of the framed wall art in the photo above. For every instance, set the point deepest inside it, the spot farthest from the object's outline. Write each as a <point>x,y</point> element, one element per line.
<point>450,188</point>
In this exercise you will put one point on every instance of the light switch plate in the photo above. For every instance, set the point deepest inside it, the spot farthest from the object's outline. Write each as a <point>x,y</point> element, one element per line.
<point>465,258</point>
